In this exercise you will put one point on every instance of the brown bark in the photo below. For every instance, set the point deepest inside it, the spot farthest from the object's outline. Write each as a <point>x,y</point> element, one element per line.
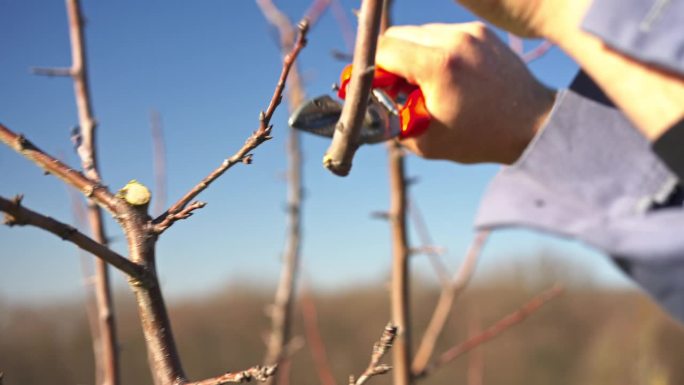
<point>338,157</point>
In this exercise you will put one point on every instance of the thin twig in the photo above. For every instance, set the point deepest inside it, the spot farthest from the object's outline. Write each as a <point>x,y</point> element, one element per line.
<point>314,339</point>
<point>446,300</point>
<point>86,149</point>
<point>283,307</point>
<point>493,331</point>
<point>259,136</point>
<point>52,165</point>
<point>18,215</point>
<point>380,348</point>
<point>52,71</point>
<point>259,373</point>
<point>338,157</point>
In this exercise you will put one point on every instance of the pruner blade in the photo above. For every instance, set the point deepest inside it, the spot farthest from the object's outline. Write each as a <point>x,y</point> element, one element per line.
<point>320,116</point>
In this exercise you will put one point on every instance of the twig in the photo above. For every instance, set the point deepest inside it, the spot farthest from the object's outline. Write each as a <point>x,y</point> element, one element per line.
<point>52,165</point>
<point>344,24</point>
<point>314,339</point>
<point>446,300</point>
<point>159,162</point>
<point>493,331</point>
<point>259,136</point>
<point>52,72</point>
<point>399,292</point>
<point>86,149</point>
<point>259,373</point>
<point>380,348</point>
<point>18,215</point>
<point>515,43</point>
<point>184,213</point>
<point>283,306</point>
<point>339,155</point>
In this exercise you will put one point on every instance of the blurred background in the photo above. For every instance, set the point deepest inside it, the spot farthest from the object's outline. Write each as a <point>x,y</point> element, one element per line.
<point>207,68</point>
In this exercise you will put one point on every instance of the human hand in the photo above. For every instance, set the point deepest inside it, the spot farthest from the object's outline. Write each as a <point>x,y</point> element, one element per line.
<point>484,103</point>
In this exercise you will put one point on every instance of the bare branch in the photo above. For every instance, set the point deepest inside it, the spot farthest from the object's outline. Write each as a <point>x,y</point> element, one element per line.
<point>259,136</point>
<point>339,155</point>
<point>380,348</point>
<point>446,300</point>
<point>344,24</point>
<point>259,373</point>
<point>51,165</point>
<point>170,219</point>
<point>493,331</point>
<point>18,215</point>
<point>314,339</point>
<point>52,71</point>
<point>515,43</point>
<point>283,307</point>
<point>399,292</point>
<point>476,357</point>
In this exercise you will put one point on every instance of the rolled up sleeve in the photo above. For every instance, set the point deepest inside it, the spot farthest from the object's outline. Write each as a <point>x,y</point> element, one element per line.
<point>647,30</point>
<point>591,176</point>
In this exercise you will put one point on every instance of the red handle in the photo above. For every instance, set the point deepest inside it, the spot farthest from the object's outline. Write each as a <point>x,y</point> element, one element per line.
<point>413,115</point>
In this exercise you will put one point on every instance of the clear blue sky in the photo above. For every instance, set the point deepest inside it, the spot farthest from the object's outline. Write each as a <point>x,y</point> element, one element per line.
<point>209,67</point>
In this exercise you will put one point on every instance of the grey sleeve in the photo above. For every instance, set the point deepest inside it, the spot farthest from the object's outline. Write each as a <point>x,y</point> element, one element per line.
<point>648,30</point>
<point>591,176</point>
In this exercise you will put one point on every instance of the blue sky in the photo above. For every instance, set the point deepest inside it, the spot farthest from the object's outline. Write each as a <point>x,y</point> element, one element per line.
<point>209,67</point>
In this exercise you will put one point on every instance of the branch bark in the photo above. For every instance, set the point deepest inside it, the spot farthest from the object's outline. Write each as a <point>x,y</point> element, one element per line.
<point>380,348</point>
<point>18,215</point>
<point>314,339</point>
<point>88,187</point>
<point>262,134</point>
<point>338,157</point>
<point>446,300</point>
<point>108,359</point>
<point>493,331</point>
<point>282,310</point>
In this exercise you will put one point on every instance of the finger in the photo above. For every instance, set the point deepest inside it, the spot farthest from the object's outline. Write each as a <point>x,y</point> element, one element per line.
<point>412,61</point>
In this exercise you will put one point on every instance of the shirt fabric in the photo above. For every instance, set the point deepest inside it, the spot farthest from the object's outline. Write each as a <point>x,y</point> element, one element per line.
<point>590,175</point>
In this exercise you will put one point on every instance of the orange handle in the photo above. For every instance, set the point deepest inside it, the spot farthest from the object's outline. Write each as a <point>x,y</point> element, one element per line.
<point>413,115</point>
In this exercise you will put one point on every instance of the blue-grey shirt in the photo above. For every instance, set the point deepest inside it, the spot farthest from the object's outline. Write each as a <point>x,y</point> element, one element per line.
<point>590,175</point>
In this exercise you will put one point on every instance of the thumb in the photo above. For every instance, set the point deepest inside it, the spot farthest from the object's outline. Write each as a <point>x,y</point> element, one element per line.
<point>414,62</point>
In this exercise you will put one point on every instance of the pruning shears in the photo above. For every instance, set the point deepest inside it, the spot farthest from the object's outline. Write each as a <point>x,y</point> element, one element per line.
<point>395,108</point>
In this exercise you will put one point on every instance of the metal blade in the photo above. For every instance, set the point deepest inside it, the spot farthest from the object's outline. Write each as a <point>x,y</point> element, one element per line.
<point>320,116</point>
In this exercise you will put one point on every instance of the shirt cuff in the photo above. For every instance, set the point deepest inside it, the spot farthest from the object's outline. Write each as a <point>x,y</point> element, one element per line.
<point>589,175</point>
<point>651,31</point>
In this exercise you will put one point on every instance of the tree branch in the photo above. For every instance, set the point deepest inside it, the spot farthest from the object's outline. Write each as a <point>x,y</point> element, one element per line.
<point>18,215</point>
<point>493,331</point>
<point>345,142</point>
<point>51,165</point>
<point>159,162</point>
<point>380,348</point>
<point>259,136</point>
<point>259,373</point>
<point>52,72</point>
<point>446,300</point>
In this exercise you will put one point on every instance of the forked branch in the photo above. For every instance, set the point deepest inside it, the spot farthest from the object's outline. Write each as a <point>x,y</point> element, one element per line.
<point>259,373</point>
<point>380,348</point>
<point>52,165</point>
<point>262,134</point>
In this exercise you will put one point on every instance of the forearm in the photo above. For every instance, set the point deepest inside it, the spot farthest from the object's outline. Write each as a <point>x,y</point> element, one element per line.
<point>652,99</point>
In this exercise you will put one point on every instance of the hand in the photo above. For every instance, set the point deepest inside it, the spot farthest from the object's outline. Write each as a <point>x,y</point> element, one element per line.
<point>484,103</point>
<point>521,17</point>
